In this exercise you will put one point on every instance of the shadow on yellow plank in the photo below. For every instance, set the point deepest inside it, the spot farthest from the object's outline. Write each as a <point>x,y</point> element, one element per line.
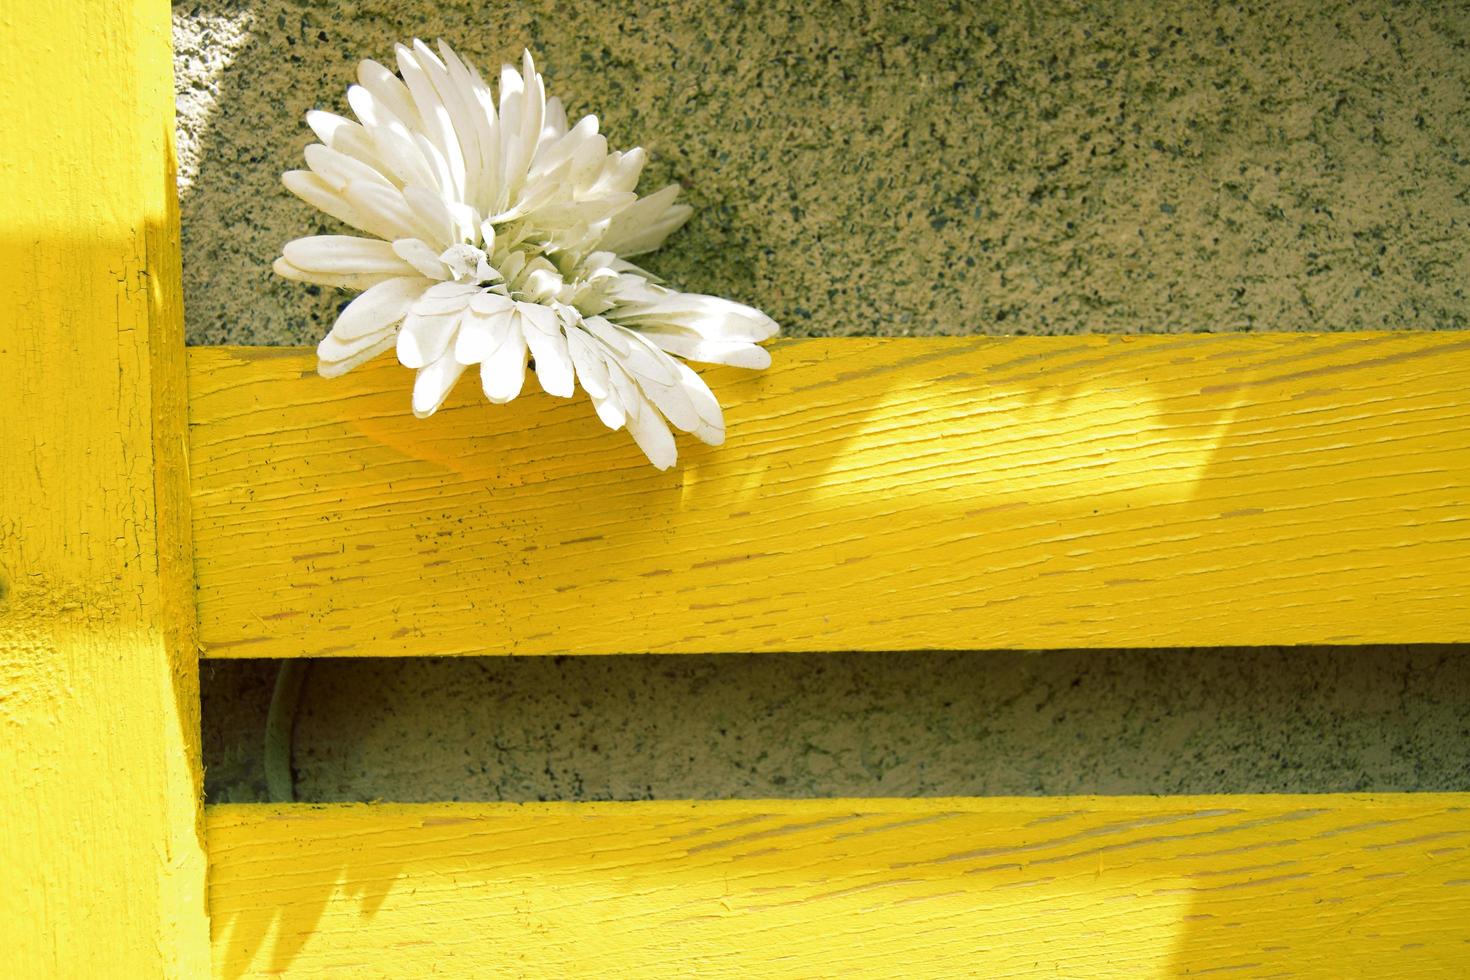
<point>1301,886</point>
<point>975,493</point>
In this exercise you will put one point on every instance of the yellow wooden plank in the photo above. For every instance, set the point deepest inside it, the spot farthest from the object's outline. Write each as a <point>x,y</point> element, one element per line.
<point>1301,886</point>
<point>101,853</point>
<point>874,494</point>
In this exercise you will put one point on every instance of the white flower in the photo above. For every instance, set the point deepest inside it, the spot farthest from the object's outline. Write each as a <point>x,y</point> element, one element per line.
<point>503,234</point>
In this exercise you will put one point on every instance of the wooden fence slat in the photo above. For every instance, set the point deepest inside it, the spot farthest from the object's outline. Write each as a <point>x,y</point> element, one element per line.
<point>1301,886</point>
<point>874,494</point>
<point>101,855</point>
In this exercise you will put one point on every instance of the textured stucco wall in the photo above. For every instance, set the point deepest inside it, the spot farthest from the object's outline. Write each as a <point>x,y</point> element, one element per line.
<point>889,168</point>
<point>912,724</point>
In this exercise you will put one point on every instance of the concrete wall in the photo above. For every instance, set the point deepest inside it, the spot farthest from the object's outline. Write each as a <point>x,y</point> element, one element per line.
<point>888,168</point>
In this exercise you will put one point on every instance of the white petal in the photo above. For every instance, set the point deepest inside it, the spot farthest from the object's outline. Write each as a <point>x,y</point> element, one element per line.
<point>504,372</point>
<point>704,399</point>
<point>327,124</point>
<point>338,168</point>
<point>485,180</point>
<point>637,354</point>
<point>549,348</point>
<point>418,67</point>
<point>610,411</point>
<point>455,87</point>
<point>432,385</point>
<point>333,369</point>
<point>466,221</point>
<point>480,335</point>
<point>459,290</point>
<point>587,359</point>
<point>345,280</point>
<point>381,306</point>
<point>458,88</point>
<point>513,264</point>
<point>541,285</point>
<point>424,339</point>
<point>690,345</point>
<point>529,197</point>
<point>345,254</point>
<point>633,290</point>
<point>647,360</point>
<point>491,302</point>
<point>621,170</point>
<point>670,399</point>
<point>392,140</point>
<point>533,108</point>
<point>432,214</point>
<point>712,420</point>
<point>555,123</point>
<point>709,316</point>
<point>382,206</point>
<point>319,194</point>
<point>443,182</point>
<point>645,424</point>
<point>388,90</point>
<point>604,330</point>
<point>643,226</point>
<point>512,94</point>
<point>522,112</point>
<point>553,155</point>
<point>346,136</point>
<point>421,257</point>
<point>573,224</point>
<point>587,161</point>
<point>335,348</point>
<point>445,298</point>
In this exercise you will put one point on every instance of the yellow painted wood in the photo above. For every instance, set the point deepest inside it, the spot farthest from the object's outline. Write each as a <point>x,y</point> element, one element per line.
<point>874,494</point>
<point>101,857</point>
<point>1300,886</point>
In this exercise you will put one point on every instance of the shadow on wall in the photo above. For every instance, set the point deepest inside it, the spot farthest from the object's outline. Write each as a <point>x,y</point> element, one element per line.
<point>922,168</point>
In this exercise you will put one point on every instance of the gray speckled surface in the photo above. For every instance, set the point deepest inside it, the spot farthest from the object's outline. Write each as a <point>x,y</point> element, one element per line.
<point>889,168</point>
<point>912,724</point>
<point>892,168</point>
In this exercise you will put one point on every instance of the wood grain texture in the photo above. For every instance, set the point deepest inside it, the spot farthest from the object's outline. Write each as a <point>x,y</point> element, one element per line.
<point>101,855</point>
<point>874,494</point>
<point>1299,886</point>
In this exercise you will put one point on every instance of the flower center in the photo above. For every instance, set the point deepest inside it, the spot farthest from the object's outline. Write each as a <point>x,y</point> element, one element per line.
<point>468,263</point>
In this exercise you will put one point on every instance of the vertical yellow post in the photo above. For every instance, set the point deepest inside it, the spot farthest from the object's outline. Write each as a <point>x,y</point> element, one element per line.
<point>102,868</point>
